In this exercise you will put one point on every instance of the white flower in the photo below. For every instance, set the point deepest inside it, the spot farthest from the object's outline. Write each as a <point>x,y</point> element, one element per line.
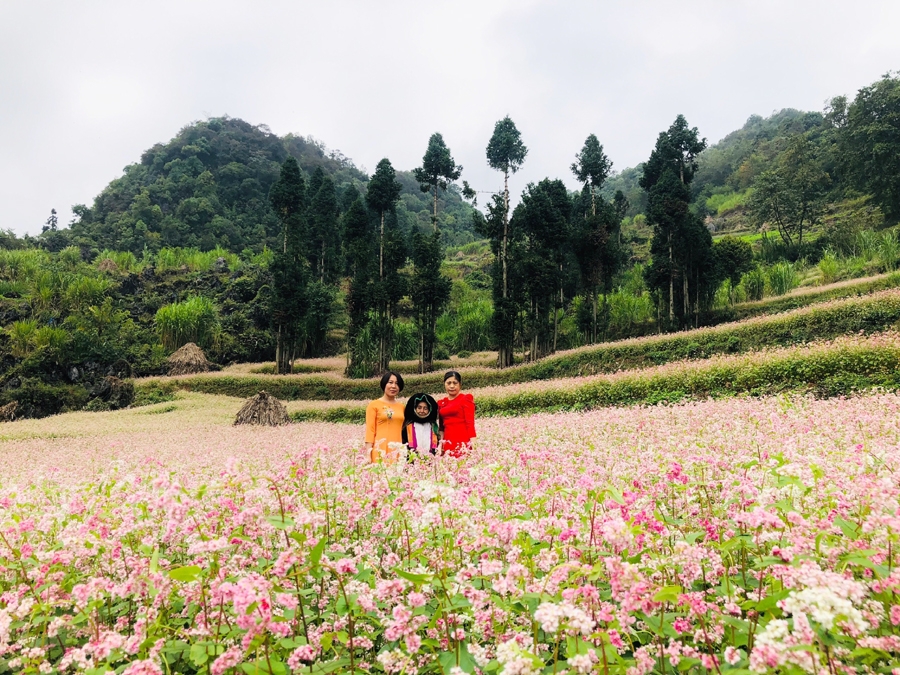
<point>824,606</point>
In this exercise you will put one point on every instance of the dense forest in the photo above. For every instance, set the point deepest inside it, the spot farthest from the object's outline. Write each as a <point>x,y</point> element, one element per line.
<point>262,248</point>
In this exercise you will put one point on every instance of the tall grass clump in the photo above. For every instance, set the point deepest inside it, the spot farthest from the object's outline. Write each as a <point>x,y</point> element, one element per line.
<point>22,264</point>
<point>193,320</point>
<point>194,260</point>
<point>754,283</point>
<point>627,309</point>
<point>830,267</point>
<point>782,278</point>
<point>406,341</point>
<point>889,250</point>
<point>83,291</point>
<point>125,261</point>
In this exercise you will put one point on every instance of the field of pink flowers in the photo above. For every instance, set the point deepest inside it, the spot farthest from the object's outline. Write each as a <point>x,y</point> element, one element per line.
<point>743,535</point>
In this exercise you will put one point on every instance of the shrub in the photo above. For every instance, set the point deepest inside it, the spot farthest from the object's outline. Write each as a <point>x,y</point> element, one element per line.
<point>38,399</point>
<point>148,393</point>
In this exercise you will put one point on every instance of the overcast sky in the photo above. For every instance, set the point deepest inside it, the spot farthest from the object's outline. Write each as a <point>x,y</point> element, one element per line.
<point>87,86</point>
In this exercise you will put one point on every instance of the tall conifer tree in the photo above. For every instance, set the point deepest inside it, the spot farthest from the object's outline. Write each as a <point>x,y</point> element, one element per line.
<point>382,195</point>
<point>506,153</point>
<point>592,167</point>
<point>681,247</point>
<point>289,269</point>
<point>430,289</point>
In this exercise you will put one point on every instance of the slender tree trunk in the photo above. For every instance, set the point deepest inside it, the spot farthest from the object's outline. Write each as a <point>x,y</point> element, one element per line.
<point>322,264</point>
<point>422,352</point>
<point>279,346</point>
<point>696,298</point>
<point>594,318</point>
<point>383,360</point>
<point>593,202</point>
<point>505,229</point>
<point>506,342</point>
<point>434,217</point>
<point>671,284</point>
<point>555,326</point>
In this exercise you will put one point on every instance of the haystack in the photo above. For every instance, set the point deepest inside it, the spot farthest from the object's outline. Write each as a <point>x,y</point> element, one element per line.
<point>8,411</point>
<point>187,360</point>
<point>108,265</point>
<point>263,409</point>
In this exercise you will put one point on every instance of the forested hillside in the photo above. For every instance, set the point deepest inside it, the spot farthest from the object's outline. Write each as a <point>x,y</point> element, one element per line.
<point>209,187</point>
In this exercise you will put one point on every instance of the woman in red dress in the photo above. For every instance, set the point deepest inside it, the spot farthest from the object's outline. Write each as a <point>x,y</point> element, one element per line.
<point>457,416</point>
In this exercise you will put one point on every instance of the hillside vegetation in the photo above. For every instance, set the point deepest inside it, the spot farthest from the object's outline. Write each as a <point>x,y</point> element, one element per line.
<point>264,248</point>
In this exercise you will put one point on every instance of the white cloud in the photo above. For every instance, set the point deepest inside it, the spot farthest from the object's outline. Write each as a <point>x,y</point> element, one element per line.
<point>86,87</point>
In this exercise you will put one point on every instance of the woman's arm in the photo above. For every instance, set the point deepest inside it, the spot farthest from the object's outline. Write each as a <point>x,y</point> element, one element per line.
<point>371,427</point>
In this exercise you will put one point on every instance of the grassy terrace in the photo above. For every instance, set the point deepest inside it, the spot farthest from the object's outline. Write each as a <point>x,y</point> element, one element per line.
<point>824,369</point>
<point>868,314</point>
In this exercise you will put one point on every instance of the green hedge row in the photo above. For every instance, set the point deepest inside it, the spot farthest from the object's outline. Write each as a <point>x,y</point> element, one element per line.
<point>828,371</point>
<point>786,303</point>
<point>867,314</point>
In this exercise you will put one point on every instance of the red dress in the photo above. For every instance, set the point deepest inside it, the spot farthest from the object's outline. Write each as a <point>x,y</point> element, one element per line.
<point>458,420</point>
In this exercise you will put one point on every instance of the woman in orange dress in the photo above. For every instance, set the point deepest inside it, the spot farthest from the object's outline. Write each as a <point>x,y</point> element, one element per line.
<point>384,420</point>
<point>457,416</point>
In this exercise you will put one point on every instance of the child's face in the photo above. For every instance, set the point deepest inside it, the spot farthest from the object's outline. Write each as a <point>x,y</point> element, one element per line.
<point>422,409</point>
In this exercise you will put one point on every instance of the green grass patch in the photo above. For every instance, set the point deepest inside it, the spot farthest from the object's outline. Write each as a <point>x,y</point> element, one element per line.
<point>153,391</point>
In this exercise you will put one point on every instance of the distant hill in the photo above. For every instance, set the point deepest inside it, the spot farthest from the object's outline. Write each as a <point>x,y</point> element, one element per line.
<point>727,168</point>
<point>209,187</point>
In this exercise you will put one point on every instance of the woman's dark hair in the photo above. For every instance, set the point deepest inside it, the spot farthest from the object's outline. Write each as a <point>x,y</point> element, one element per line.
<point>416,399</point>
<point>452,373</point>
<point>387,377</point>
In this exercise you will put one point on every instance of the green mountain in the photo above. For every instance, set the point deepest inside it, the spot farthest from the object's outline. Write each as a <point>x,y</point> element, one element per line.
<point>209,187</point>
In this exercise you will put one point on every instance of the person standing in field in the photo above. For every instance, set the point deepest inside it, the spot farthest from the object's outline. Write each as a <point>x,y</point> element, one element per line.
<point>458,416</point>
<point>422,426</point>
<point>384,420</point>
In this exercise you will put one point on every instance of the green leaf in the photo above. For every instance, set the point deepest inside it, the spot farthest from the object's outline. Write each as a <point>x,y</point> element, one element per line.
<point>316,554</point>
<point>329,667</point>
<point>185,574</point>
<point>850,530</point>
<point>280,523</point>
<point>770,601</point>
<point>858,558</point>
<point>326,641</point>
<point>448,660</point>
<point>576,646</point>
<point>410,576</point>
<point>261,667</point>
<point>199,654</point>
<point>667,594</point>
<point>154,561</point>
